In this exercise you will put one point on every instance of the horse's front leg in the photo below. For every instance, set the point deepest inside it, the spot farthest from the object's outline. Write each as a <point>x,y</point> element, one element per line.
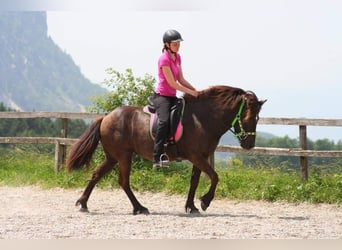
<point>204,166</point>
<point>195,176</point>
<point>98,173</point>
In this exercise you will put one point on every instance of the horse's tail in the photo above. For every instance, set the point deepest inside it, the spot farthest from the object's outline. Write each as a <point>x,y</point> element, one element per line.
<point>83,149</point>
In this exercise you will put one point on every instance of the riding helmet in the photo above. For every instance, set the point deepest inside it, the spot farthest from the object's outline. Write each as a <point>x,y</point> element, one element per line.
<point>172,36</point>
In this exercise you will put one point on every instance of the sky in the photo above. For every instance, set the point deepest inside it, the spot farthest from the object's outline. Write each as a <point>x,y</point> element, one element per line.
<point>288,52</point>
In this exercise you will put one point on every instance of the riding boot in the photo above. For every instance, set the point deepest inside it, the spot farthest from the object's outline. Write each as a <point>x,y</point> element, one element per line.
<point>174,151</point>
<point>159,147</point>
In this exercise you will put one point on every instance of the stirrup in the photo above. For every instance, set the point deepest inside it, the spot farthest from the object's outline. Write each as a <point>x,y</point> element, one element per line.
<point>164,163</point>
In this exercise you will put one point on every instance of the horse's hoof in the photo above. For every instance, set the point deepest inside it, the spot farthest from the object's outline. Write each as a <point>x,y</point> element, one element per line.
<point>192,210</point>
<point>84,210</point>
<point>203,205</point>
<point>141,211</point>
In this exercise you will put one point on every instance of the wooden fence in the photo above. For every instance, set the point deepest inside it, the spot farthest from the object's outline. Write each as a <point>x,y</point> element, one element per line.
<point>62,141</point>
<point>302,152</point>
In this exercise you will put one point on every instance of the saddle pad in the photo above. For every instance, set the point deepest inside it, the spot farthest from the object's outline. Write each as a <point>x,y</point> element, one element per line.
<point>178,132</point>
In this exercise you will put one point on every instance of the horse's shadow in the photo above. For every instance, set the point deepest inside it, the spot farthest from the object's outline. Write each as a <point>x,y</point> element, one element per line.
<point>176,214</point>
<point>296,218</point>
<point>195,215</point>
<point>198,215</point>
<point>204,215</point>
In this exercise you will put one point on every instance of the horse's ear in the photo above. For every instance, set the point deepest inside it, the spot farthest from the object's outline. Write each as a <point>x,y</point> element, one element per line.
<point>261,102</point>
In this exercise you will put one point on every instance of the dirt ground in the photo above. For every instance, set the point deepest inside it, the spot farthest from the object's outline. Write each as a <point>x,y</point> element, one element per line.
<point>35,213</point>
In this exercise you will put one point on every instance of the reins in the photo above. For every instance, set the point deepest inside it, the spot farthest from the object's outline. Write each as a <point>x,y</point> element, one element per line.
<point>242,135</point>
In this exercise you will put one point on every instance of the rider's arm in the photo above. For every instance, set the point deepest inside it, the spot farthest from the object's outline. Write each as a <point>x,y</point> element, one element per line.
<point>178,86</point>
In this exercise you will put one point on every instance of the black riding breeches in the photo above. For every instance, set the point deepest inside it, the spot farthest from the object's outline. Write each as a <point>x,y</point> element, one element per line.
<point>163,107</point>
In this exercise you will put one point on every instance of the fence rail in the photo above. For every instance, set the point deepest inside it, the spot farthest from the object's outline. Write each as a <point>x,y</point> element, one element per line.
<point>280,151</point>
<point>62,142</point>
<point>43,114</point>
<point>300,121</point>
<point>36,140</point>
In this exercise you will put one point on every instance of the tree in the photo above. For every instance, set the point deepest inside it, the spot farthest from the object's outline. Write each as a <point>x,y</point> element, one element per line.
<point>125,89</point>
<point>324,144</point>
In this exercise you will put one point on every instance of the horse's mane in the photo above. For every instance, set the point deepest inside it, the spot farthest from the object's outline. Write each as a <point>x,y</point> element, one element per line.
<point>220,94</point>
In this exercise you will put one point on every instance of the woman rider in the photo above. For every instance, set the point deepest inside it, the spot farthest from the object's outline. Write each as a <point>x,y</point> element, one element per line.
<point>171,79</point>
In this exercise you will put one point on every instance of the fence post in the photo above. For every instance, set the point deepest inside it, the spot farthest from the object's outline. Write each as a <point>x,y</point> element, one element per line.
<point>62,147</point>
<point>303,159</point>
<point>57,156</point>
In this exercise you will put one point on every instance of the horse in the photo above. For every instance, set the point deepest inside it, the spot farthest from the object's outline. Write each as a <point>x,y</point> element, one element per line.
<point>125,131</point>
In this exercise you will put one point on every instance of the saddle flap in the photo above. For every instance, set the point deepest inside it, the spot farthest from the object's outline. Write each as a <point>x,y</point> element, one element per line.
<point>150,105</point>
<point>176,114</point>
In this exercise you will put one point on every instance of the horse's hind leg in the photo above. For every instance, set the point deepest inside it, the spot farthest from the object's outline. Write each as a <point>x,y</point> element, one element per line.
<point>124,173</point>
<point>190,206</point>
<point>98,173</point>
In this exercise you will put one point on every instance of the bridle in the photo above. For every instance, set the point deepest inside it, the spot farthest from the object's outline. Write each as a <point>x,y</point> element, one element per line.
<point>242,135</point>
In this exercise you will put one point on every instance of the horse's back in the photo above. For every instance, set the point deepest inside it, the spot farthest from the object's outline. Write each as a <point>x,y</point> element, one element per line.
<point>121,119</point>
<point>127,127</point>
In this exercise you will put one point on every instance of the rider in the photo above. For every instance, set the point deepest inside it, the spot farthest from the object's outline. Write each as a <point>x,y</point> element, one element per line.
<point>171,79</point>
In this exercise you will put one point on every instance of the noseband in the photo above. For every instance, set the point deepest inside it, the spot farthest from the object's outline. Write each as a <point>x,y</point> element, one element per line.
<point>242,135</point>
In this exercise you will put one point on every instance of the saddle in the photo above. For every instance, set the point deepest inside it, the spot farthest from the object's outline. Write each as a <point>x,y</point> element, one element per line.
<point>176,114</point>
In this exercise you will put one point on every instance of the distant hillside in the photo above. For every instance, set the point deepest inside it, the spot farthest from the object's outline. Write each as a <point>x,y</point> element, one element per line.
<point>35,74</point>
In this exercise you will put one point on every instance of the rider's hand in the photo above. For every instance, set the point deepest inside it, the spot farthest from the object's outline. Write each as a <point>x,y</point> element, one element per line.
<point>195,93</point>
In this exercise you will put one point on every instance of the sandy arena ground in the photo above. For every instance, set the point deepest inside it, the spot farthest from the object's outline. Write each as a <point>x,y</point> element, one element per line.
<point>35,213</point>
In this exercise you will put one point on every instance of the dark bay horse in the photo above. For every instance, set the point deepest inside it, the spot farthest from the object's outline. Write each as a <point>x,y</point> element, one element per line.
<point>125,131</point>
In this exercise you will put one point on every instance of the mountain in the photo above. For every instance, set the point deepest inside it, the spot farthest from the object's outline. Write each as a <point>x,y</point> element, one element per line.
<point>35,74</point>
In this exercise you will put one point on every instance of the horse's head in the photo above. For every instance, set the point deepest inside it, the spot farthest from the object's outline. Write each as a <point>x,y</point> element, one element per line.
<point>245,121</point>
<point>228,101</point>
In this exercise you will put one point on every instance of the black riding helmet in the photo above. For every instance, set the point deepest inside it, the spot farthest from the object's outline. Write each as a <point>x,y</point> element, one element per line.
<point>172,36</point>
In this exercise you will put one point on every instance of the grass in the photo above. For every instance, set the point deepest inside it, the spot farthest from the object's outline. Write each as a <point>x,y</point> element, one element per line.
<point>19,167</point>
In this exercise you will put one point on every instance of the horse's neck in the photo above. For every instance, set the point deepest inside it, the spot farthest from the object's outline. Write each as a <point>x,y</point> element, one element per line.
<point>211,117</point>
